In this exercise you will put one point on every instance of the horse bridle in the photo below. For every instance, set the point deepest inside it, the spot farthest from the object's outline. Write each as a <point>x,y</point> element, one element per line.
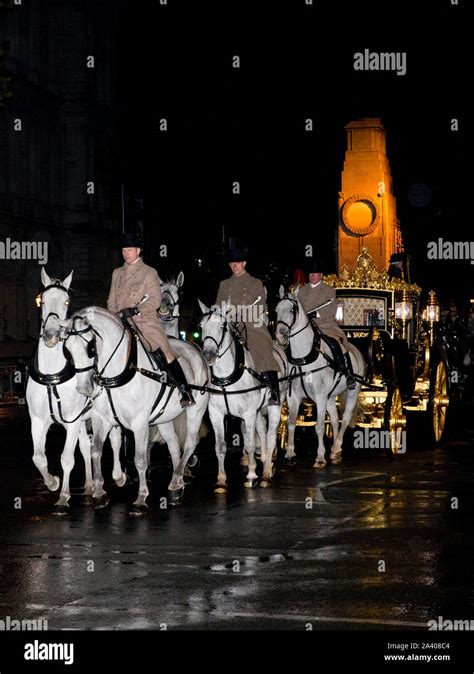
<point>225,327</point>
<point>294,310</point>
<point>91,345</point>
<point>57,286</point>
<point>167,318</point>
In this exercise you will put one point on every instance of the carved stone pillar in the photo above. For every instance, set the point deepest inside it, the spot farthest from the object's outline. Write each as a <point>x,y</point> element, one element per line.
<point>367,206</point>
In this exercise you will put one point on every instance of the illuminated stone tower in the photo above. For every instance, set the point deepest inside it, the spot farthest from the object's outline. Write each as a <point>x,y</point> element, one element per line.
<point>367,207</point>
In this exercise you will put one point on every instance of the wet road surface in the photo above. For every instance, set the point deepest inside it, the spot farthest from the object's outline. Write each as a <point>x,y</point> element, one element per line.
<point>369,544</point>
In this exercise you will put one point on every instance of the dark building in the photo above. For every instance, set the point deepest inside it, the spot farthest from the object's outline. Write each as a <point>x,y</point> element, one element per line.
<point>59,154</point>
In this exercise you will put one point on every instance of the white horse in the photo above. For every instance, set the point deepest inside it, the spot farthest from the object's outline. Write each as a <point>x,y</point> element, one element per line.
<point>52,397</point>
<point>168,312</point>
<point>244,396</point>
<point>319,382</point>
<point>126,393</point>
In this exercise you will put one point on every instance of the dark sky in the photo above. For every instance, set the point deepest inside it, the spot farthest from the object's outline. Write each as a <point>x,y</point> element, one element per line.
<point>248,124</point>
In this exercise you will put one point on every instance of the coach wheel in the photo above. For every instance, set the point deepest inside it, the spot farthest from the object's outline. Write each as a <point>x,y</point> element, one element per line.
<point>395,420</point>
<point>439,401</point>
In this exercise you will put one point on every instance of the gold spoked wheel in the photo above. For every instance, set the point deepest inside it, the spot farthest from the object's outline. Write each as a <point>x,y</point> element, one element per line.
<point>395,420</point>
<point>440,400</point>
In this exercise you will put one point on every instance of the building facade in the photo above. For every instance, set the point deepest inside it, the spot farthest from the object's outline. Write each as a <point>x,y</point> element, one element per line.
<point>59,182</point>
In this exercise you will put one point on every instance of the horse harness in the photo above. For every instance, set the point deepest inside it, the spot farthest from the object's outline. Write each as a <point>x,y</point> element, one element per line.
<point>52,381</point>
<point>312,355</point>
<point>239,366</point>
<point>129,371</point>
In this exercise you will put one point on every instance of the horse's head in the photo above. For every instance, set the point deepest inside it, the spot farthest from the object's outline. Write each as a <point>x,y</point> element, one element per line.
<point>214,326</point>
<point>54,307</point>
<point>169,307</point>
<point>81,342</point>
<point>287,311</point>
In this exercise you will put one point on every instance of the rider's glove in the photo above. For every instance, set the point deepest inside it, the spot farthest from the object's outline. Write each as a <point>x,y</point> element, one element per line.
<point>129,312</point>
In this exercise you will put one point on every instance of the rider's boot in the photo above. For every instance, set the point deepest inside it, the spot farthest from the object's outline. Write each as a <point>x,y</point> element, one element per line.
<point>350,381</point>
<point>272,381</point>
<point>179,378</point>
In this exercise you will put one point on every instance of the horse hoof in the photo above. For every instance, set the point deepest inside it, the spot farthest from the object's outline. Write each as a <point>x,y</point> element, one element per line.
<point>336,459</point>
<point>101,502</point>
<point>291,461</point>
<point>61,510</point>
<point>175,496</point>
<point>138,509</point>
<point>220,488</point>
<point>87,500</point>
<point>122,481</point>
<point>250,484</point>
<point>194,462</point>
<point>55,484</point>
<point>319,464</point>
<point>265,483</point>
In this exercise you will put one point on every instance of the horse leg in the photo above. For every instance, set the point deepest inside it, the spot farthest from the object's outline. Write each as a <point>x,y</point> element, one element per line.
<point>176,486</point>
<point>266,451</point>
<point>115,437</point>
<point>250,420</point>
<point>67,463</point>
<point>270,443</point>
<point>141,432</point>
<point>39,429</point>
<point>85,447</point>
<point>261,437</point>
<point>293,406</point>
<point>193,425</point>
<point>321,402</point>
<point>351,401</point>
<point>217,420</point>
<point>101,429</point>
<point>334,417</point>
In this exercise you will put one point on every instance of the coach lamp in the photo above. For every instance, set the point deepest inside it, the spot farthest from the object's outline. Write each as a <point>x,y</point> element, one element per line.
<point>432,313</point>
<point>404,311</point>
